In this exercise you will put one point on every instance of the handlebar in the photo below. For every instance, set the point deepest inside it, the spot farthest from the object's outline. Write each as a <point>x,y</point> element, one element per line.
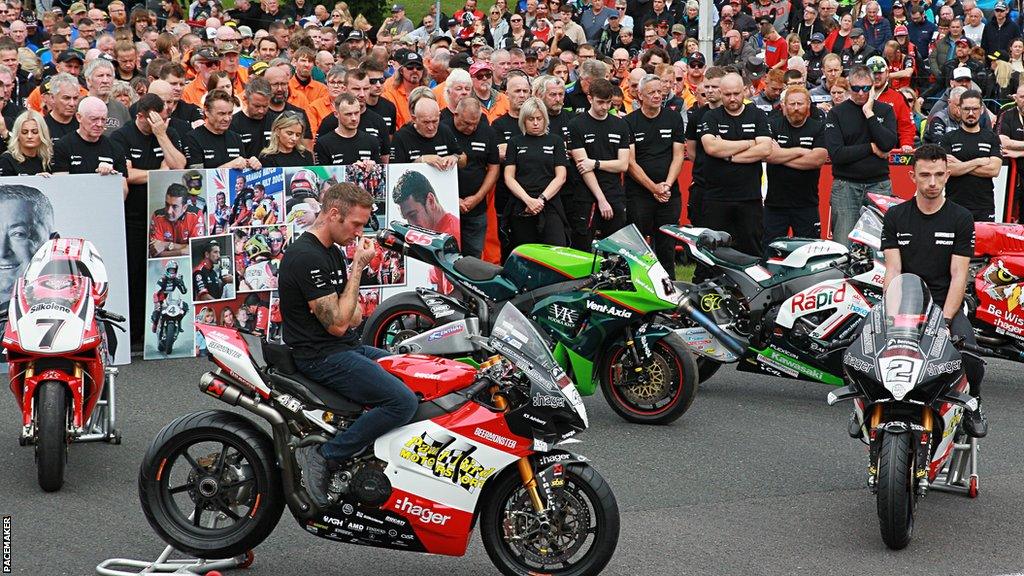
<point>105,315</point>
<point>979,350</point>
<point>839,344</point>
<point>390,240</point>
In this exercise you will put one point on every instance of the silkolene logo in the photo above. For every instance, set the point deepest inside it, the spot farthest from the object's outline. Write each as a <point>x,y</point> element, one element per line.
<point>425,515</point>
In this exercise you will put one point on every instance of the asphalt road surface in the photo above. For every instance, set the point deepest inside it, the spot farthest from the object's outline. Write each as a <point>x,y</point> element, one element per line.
<point>759,477</point>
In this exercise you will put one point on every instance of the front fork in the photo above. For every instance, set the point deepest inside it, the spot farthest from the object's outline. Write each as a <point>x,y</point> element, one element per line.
<point>524,464</point>
<point>922,435</point>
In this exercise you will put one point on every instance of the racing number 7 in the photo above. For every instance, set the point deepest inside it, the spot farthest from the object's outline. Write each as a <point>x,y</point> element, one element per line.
<point>55,325</point>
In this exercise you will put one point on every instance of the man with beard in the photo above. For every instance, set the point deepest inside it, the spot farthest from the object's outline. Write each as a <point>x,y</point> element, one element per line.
<point>974,156</point>
<point>355,45</point>
<point>408,76</point>
<point>250,123</point>
<point>302,81</point>
<point>357,83</point>
<point>346,144</point>
<point>65,92</point>
<point>736,139</point>
<point>211,281</point>
<point>382,106</point>
<point>905,127</point>
<point>281,99</point>
<point>478,176</point>
<point>213,145</point>
<point>655,160</point>
<point>858,52</point>
<point>736,51</point>
<point>694,150</point>
<point>793,169</point>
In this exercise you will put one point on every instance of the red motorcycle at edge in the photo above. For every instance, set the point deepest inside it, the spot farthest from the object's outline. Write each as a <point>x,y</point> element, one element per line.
<point>56,340</point>
<point>486,444</point>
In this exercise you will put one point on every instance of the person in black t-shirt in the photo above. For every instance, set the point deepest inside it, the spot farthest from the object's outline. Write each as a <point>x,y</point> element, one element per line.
<point>213,145</point>
<point>535,168</point>
<point>794,168</point>
<point>933,237</point>
<point>357,83</point>
<point>382,106</point>
<point>280,92</point>
<point>251,123</point>
<point>426,140</point>
<point>975,158</point>
<point>65,92</point>
<point>694,151</point>
<point>478,176</point>
<point>1011,139</point>
<point>87,150</point>
<point>346,144</point>
<point>505,128</point>
<point>320,313</point>
<point>600,149</point>
<point>736,139</point>
<point>32,150</point>
<point>285,148</point>
<point>655,160</point>
<point>210,280</point>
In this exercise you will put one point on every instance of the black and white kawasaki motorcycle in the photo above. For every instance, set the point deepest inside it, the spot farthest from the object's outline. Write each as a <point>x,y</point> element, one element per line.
<point>906,379</point>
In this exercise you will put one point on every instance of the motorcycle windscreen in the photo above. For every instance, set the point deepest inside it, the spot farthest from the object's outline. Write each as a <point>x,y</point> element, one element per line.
<point>518,339</point>
<point>868,230</point>
<point>643,264</point>
<point>905,312</point>
<point>54,313</point>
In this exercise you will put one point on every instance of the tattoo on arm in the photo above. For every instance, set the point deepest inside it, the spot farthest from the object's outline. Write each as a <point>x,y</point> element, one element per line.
<point>326,310</point>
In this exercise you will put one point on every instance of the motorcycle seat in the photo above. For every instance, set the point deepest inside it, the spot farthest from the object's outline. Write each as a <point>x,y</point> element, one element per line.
<point>714,239</point>
<point>735,257</point>
<point>286,375</point>
<point>476,269</point>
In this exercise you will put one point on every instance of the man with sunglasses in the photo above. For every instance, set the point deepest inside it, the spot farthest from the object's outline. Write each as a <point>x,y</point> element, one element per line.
<point>382,106</point>
<point>859,133</point>
<point>975,158</point>
<point>493,102</point>
<point>408,76</point>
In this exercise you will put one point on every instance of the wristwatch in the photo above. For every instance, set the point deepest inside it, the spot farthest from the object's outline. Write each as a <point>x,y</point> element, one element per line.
<point>597,165</point>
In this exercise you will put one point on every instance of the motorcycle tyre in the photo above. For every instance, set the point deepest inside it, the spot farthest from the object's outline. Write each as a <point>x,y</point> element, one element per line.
<point>387,311</point>
<point>213,425</point>
<point>170,335</point>
<point>688,369</point>
<point>600,496</point>
<point>51,435</point>
<point>895,497</point>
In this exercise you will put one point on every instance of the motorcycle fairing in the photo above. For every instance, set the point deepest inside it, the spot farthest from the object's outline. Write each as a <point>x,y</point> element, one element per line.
<point>52,315</point>
<point>230,352</point>
<point>430,377</point>
<point>827,306</point>
<point>999,288</point>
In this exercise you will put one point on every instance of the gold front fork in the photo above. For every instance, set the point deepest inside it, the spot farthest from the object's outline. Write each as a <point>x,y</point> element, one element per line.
<point>525,468</point>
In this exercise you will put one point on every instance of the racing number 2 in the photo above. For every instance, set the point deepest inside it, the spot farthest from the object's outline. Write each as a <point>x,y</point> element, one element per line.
<point>51,333</point>
<point>900,371</point>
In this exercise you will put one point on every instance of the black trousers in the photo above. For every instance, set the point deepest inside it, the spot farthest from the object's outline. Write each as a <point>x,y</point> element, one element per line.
<point>805,222</point>
<point>586,223</point>
<point>648,214</point>
<point>695,206</point>
<point>743,220</point>
<point>974,367</point>
<point>137,245</point>
<point>547,227</point>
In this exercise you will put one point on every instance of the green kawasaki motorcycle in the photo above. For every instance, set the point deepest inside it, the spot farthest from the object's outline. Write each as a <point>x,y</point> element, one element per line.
<point>609,314</point>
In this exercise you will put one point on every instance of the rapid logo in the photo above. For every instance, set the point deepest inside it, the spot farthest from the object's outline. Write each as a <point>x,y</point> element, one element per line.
<point>609,310</point>
<point>425,515</point>
<point>817,298</point>
<point>447,457</point>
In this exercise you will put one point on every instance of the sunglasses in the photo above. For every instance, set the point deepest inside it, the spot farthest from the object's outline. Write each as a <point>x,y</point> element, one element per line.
<point>413,67</point>
<point>377,80</point>
<point>483,75</point>
<point>861,89</point>
<point>679,78</point>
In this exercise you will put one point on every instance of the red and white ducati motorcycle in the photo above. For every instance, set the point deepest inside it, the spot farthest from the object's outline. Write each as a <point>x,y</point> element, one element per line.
<point>57,346</point>
<point>484,445</point>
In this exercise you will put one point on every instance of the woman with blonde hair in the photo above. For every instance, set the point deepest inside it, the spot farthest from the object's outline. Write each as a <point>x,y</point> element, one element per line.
<point>285,147</point>
<point>30,149</point>
<point>794,45</point>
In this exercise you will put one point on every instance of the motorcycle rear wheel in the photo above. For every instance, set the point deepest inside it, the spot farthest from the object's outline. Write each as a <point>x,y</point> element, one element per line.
<point>669,392</point>
<point>399,317</point>
<point>51,435</point>
<point>586,498</point>
<point>896,498</point>
<point>213,487</point>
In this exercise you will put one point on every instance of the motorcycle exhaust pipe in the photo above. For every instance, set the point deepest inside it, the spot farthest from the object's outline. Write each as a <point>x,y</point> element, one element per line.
<point>213,385</point>
<point>700,318</point>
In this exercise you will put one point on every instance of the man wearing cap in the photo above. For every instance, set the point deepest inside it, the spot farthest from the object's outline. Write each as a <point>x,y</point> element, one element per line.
<point>858,52</point>
<point>397,25</point>
<point>905,128</point>
<point>1000,30</point>
<point>494,103</point>
<point>814,57</point>
<point>205,61</point>
<point>230,52</point>
<point>962,67</point>
<point>408,76</point>
<point>68,62</point>
<point>694,78</point>
<point>975,158</point>
<point>859,133</point>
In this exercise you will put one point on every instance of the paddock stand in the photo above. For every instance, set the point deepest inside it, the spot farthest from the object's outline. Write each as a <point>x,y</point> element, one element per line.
<point>960,475</point>
<point>164,564</point>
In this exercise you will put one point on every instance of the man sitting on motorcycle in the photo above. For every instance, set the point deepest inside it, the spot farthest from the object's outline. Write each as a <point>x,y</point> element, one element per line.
<point>933,238</point>
<point>166,286</point>
<point>320,312</point>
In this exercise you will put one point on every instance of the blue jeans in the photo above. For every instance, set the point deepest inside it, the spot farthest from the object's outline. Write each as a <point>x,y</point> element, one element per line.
<point>356,375</point>
<point>474,231</point>
<point>847,200</point>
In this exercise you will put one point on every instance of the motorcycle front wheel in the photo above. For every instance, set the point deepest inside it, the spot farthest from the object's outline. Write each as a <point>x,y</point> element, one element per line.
<point>583,532</point>
<point>397,318</point>
<point>170,335</point>
<point>895,497</point>
<point>661,392</point>
<point>209,485</point>
<point>51,435</point>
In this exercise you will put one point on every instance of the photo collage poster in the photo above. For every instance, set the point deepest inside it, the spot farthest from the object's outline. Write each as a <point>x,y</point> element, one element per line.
<point>217,237</point>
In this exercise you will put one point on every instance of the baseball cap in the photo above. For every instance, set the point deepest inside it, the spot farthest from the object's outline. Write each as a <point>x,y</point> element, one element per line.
<point>230,48</point>
<point>998,55</point>
<point>897,4</point>
<point>69,55</point>
<point>900,30</point>
<point>856,33</point>
<point>397,8</point>
<point>766,20</point>
<point>355,35</point>
<point>678,29</point>
<point>965,41</point>
<point>755,67</point>
<point>613,16</point>
<point>817,37</point>
<point>245,32</point>
<point>478,66</point>
<point>208,53</point>
<point>410,58</point>
<point>962,73</point>
<point>877,64</point>
<point>438,38</point>
<point>478,41</point>
<point>530,54</point>
<point>77,8</point>
<point>1000,5</point>
<point>258,68</point>
<point>697,60</point>
<point>461,60</point>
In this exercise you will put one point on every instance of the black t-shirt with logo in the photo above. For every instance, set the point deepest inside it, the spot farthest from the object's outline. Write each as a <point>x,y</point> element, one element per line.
<point>204,149</point>
<point>291,159</point>
<point>602,139</point>
<point>535,159</point>
<point>481,148</point>
<point>206,279</point>
<point>310,271</point>
<point>74,155</point>
<point>369,122</point>
<point>694,116</point>
<point>11,167</point>
<point>145,153</point>
<point>58,130</point>
<point>653,139</point>
<point>386,110</point>
<point>409,145</point>
<point>254,133</point>
<point>506,128</point>
<point>972,192</point>
<point>733,181</point>
<point>790,187</point>
<point>333,149</point>
<point>307,131</point>
<point>928,242</point>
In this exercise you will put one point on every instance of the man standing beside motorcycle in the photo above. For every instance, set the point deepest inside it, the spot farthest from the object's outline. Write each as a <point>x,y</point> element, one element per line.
<point>319,312</point>
<point>933,238</point>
